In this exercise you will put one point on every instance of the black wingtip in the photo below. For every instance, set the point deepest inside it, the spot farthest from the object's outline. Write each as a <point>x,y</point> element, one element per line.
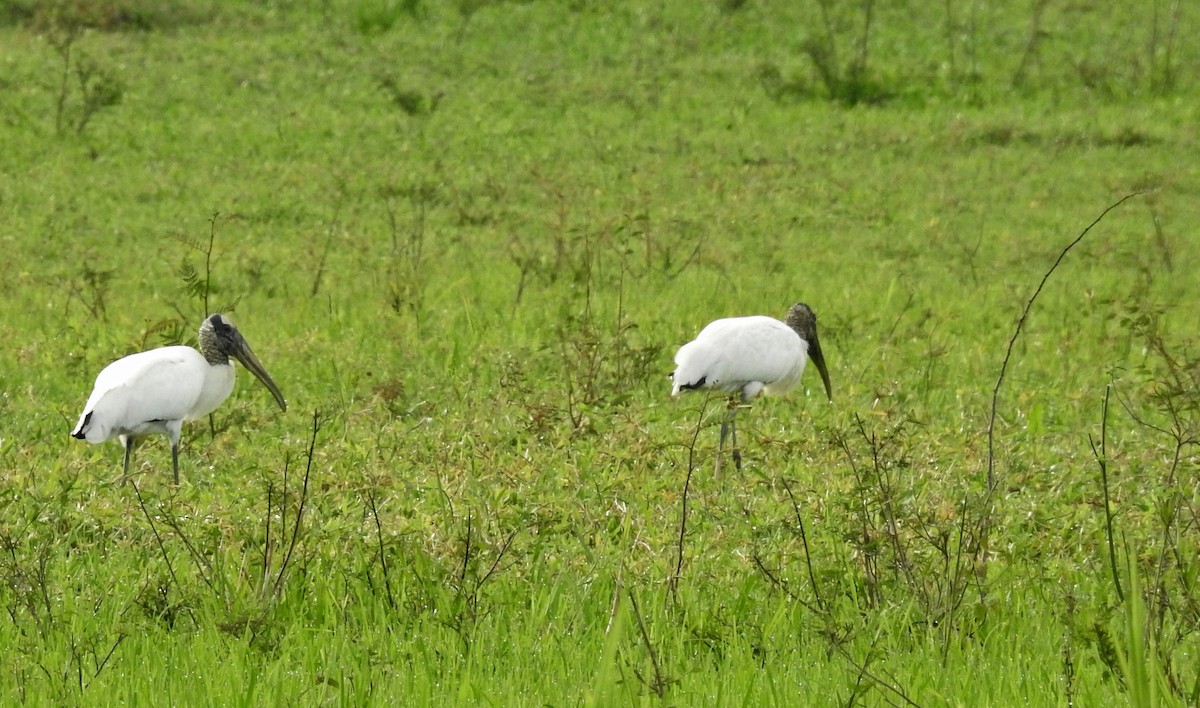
<point>79,433</point>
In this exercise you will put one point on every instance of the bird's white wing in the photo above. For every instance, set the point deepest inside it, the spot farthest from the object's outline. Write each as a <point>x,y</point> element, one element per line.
<point>157,385</point>
<point>741,354</point>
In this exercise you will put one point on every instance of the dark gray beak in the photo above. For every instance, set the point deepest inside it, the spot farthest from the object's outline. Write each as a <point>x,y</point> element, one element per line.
<point>243,353</point>
<point>814,353</point>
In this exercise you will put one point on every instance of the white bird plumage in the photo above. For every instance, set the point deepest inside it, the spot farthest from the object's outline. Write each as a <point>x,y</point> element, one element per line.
<point>156,391</point>
<point>750,356</point>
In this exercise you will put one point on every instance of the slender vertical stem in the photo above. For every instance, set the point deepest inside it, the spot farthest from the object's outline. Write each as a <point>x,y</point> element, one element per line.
<point>687,485</point>
<point>986,519</point>
<point>812,578</point>
<point>1101,456</point>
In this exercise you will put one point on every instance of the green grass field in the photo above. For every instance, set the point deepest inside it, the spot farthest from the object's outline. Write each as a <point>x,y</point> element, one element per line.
<point>466,240</point>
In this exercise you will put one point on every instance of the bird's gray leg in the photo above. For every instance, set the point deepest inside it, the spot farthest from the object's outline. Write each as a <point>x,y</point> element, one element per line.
<point>127,441</point>
<point>737,452</point>
<point>721,445</point>
<point>173,429</point>
<point>728,427</point>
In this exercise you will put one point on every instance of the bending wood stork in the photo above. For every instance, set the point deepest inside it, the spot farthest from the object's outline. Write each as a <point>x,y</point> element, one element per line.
<point>156,391</point>
<point>748,356</point>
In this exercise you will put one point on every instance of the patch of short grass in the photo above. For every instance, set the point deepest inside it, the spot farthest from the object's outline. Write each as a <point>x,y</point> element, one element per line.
<point>470,259</point>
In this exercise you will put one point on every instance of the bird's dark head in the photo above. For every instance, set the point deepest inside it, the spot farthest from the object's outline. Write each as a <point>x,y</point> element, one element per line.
<point>220,340</point>
<point>220,324</point>
<point>803,320</point>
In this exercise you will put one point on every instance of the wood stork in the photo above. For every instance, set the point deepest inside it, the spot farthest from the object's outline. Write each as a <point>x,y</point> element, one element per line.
<point>156,391</point>
<point>749,356</point>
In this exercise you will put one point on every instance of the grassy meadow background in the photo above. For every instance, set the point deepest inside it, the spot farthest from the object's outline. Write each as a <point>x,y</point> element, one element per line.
<point>466,240</point>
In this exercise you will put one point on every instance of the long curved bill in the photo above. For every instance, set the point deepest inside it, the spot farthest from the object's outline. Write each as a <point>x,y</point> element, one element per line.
<point>814,353</point>
<point>245,354</point>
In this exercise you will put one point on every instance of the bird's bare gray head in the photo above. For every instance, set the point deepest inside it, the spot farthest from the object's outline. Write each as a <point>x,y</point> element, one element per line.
<point>803,320</point>
<point>220,339</point>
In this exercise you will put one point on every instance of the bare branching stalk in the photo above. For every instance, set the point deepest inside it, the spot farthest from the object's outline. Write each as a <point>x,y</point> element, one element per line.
<point>162,548</point>
<point>859,69</point>
<point>866,545</point>
<point>992,484</point>
<point>812,578</point>
<point>154,529</point>
<point>203,566</point>
<point>468,582</point>
<point>495,566</point>
<point>890,687</point>
<point>782,585</point>
<point>1170,604</point>
<point>407,269</point>
<point>673,584</point>
<point>991,429</point>
<point>96,87</point>
<point>1161,48</point>
<point>287,558</point>
<point>387,583</point>
<point>91,289</point>
<point>658,683</point>
<point>200,287</point>
<point>63,42</point>
<point>774,579</point>
<point>212,237</point>
<point>466,559</point>
<point>268,551</point>
<point>1101,456</point>
<point>886,500</point>
<point>848,84</point>
<point>1036,34</point>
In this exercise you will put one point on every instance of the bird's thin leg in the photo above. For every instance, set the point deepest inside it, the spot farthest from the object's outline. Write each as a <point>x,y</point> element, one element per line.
<point>129,439</point>
<point>729,426</point>
<point>721,445</point>
<point>737,452</point>
<point>175,460</point>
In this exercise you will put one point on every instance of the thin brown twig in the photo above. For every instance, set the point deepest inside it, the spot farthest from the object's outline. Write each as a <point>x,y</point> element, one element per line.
<point>154,529</point>
<point>266,564</point>
<point>287,558</point>
<point>991,457</point>
<point>659,685</point>
<point>985,521</point>
<point>687,485</point>
<point>387,585</point>
<point>1101,456</point>
<point>812,578</point>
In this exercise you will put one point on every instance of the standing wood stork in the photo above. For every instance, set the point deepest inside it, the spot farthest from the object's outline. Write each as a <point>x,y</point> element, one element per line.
<point>157,390</point>
<point>748,356</point>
